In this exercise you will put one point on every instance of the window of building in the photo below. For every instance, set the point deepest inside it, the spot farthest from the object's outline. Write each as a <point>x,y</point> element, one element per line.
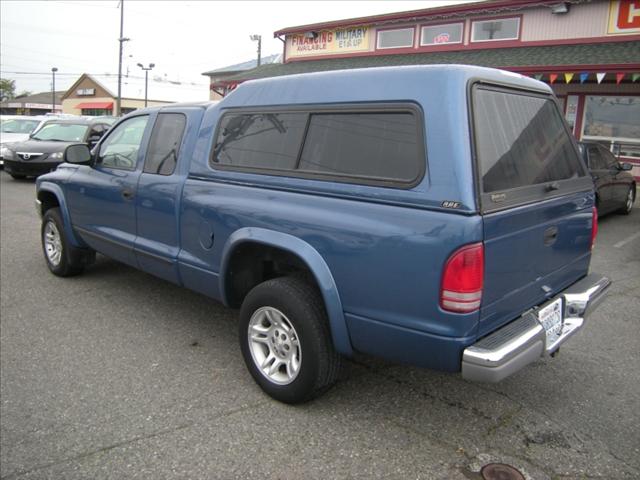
<point>371,147</point>
<point>95,112</point>
<point>162,154</point>
<point>400,38</point>
<point>611,117</point>
<point>441,34</point>
<point>260,140</point>
<point>497,29</point>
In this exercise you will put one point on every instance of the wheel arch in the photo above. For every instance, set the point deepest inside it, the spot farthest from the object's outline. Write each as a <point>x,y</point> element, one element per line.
<point>50,195</point>
<point>309,257</point>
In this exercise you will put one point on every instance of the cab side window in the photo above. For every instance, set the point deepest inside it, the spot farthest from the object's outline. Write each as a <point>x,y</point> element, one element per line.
<point>608,159</point>
<point>120,149</point>
<point>596,162</point>
<point>162,154</point>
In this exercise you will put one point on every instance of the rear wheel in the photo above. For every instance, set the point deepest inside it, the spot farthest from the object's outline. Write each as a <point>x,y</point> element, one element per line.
<point>63,259</point>
<point>285,340</point>
<point>631,197</point>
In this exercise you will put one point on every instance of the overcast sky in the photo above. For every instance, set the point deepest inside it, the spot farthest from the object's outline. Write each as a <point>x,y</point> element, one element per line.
<point>183,38</point>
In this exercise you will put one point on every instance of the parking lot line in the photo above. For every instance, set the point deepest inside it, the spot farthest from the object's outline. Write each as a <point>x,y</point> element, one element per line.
<point>622,243</point>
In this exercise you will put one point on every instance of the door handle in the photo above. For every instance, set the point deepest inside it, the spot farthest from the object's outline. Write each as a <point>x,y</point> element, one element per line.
<point>127,194</point>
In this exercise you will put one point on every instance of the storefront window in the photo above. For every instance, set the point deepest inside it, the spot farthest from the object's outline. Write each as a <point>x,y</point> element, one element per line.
<point>95,112</point>
<point>441,34</point>
<point>400,38</point>
<point>612,117</point>
<point>492,30</point>
<point>571,112</point>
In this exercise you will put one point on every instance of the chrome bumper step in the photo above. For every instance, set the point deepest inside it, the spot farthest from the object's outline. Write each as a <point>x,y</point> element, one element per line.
<point>524,340</point>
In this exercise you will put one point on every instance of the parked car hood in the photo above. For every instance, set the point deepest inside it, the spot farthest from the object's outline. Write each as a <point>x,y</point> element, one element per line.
<point>40,146</point>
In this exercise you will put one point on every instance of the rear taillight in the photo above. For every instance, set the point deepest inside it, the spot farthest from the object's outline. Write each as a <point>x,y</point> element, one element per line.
<point>594,226</point>
<point>462,280</point>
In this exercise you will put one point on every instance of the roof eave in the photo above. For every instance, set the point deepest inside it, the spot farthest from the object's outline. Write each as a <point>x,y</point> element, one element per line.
<point>465,8</point>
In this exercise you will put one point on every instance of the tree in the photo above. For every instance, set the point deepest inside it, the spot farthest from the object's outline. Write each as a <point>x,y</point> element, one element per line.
<point>7,89</point>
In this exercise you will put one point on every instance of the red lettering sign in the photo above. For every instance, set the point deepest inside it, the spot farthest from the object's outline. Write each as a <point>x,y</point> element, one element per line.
<point>628,14</point>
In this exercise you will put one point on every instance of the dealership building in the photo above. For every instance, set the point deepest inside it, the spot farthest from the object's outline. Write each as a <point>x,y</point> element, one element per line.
<point>587,50</point>
<point>95,95</point>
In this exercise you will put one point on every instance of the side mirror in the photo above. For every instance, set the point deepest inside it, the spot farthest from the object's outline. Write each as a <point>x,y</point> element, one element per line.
<point>625,166</point>
<point>78,153</point>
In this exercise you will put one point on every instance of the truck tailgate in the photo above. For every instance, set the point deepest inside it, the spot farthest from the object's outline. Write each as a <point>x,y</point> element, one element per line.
<point>531,253</point>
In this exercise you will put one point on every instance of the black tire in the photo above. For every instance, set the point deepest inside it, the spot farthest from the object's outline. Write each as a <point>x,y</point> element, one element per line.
<point>71,260</point>
<point>628,206</point>
<point>17,176</point>
<point>303,308</point>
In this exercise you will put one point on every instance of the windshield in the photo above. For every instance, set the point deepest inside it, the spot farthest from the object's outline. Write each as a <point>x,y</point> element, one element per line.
<point>62,132</point>
<point>15,125</point>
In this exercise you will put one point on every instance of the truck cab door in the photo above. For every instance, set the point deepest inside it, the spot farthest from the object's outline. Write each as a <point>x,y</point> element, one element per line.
<point>102,196</point>
<point>157,202</point>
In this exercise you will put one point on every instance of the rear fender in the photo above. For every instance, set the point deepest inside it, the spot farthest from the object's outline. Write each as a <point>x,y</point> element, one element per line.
<point>314,262</point>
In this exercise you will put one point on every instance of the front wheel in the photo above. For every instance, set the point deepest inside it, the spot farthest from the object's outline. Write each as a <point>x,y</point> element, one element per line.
<point>63,259</point>
<point>285,340</point>
<point>631,197</point>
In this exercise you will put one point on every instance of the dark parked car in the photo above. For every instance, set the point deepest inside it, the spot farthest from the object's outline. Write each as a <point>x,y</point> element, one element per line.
<point>615,186</point>
<point>43,151</point>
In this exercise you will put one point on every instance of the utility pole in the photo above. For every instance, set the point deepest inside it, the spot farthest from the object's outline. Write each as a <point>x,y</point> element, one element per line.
<point>53,90</point>
<point>146,79</point>
<point>121,39</point>
<point>258,38</point>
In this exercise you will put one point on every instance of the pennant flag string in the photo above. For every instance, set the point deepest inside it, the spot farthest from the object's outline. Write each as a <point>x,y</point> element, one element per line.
<point>553,77</point>
<point>583,77</point>
<point>619,77</point>
<point>635,77</point>
<point>600,77</point>
<point>568,77</point>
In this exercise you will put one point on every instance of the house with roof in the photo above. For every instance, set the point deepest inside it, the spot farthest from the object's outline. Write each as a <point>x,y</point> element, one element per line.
<point>33,104</point>
<point>218,87</point>
<point>96,95</point>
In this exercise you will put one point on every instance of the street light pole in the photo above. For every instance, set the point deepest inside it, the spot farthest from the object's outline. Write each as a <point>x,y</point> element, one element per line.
<point>146,79</point>
<point>53,90</point>
<point>121,39</point>
<point>258,38</point>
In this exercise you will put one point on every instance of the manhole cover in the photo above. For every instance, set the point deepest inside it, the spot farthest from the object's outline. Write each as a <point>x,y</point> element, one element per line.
<point>500,471</point>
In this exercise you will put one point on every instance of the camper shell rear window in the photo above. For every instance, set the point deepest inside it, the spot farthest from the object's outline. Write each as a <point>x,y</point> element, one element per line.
<point>523,148</point>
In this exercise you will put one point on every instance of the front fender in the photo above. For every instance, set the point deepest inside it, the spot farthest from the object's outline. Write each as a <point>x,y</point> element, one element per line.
<point>55,189</point>
<point>314,262</point>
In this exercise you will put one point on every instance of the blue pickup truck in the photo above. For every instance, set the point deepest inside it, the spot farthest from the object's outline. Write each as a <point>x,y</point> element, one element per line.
<point>433,215</point>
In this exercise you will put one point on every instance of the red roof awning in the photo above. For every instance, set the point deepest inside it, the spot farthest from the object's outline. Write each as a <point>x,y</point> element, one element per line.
<point>100,105</point>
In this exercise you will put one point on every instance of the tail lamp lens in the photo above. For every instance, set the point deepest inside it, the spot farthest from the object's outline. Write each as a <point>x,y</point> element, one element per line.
<point>462,280</point>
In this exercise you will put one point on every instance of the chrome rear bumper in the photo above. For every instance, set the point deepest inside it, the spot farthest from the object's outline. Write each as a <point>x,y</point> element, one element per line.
<point>524,340</point>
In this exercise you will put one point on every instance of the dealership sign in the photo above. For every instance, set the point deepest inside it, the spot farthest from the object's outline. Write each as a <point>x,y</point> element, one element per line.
<point>624,17</point>
<point>328,42</point>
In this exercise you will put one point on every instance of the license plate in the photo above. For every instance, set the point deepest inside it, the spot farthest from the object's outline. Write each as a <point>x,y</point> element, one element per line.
<point>550,317</point>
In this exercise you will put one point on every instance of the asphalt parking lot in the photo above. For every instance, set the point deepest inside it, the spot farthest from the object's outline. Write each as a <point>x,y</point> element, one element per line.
<point>117,374</point>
